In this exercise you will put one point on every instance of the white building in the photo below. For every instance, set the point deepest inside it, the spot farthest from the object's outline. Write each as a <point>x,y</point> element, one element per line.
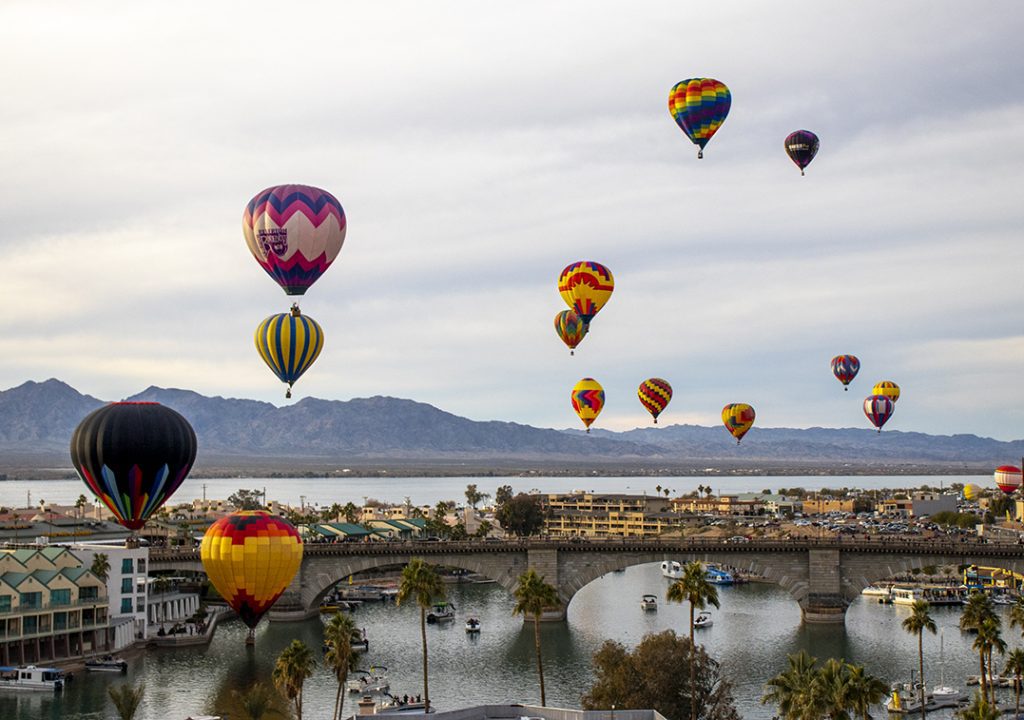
<point>126,587</point>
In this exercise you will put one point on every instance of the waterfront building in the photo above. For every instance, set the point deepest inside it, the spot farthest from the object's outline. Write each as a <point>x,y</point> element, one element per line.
<point>728,505</point>
<point>127,587</point>
<point>927,503</point>
<point>779,505</point>
<point>825,505</point>
<point>895,507</point>
<point>52,607</point>
<point>607,515</point>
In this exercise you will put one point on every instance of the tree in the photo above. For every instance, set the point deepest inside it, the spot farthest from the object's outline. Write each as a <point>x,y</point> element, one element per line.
<point>80,504</point>
<point>243,499</point>
<point>338,635</point>
<point>990,639</point>
<point>256,701</point>
<point>979,709</point>
<point>533,595</point>
<point>693,587</point>
<point>916,624</point>
<point>790,691</point>
<point>977,610</point>
<point>126,699</point>
<point>351,512</point>
<point>805,691</point>
<point>1015,666</point>
<point>865,691</point>
<point>521,515</point>
<point>422,585</point>
<point>473,497</point>
<point>100,566</point>
<point>1017,614</point>
<point>293,666</point>
<point>647,677</point>
<point>503,494</point>
<point>484,528</point>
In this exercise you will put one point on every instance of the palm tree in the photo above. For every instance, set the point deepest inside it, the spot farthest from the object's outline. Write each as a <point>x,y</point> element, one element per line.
<point>790,691</point>
<point>979,709</point>
<point>100,566</point>
<point>990,638</point>
<point>865,691</point>
<point>533,595</point>
<point>422,585</point>
<point>338,635</point>
<point>126,699</point>
<point>694,587</point>
<point>293,666</point>
<point>916,624</point>
<point>1015,664</point>
<point>977,609</point>
<point>830,689</point>
<point>255,702</point>
<point>1017,614</point>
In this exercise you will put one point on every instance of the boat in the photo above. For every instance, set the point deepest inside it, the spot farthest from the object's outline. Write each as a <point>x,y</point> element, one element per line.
<point>359,641</point>
<point>472,625</point>
<point>374,680</point>
<point>30,677</point>
<point>905,699</point>
<point>717,576</point>
<point>905,595</point>
<point>442,612</point>
<point>649,602</point>
<point>672,569</point>
<point>703,621</point>
<point>931,595</point>
<point>107,663</point>
<point>882,594</point>
<point>392,705</point>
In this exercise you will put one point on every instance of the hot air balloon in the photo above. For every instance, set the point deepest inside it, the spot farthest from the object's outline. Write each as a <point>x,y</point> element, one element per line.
<point>801,146</point>
<point>586,286</point>
<point>288,344</point>
<point>587,400</point>
<point>655,395</point>
<point>888,388</point>
<point>251,557</point>
<point>133,456</point>
<point>570,328</point>
<point>845,368</point>
<point>878,409</point>
<point>971,492</point>
<point>699,106</point>
<point>738,419</point>
<point>1008,478</point>
<point>295,232</point>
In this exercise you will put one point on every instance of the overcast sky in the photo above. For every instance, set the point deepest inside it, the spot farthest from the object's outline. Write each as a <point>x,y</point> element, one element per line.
<point>478,148</point>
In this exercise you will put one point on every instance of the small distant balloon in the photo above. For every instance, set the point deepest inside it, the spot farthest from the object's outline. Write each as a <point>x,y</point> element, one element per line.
<point>587,400</point>
<point>878,409</point>
<point>1008,478</point>
<point>586,287</point>
<point>801,146</point>
<point>971,492</point>
<point>570,328</point>
<point>845,368</point>
<point>655,395</point>
<point>738,419</point>
<point>888,388</point>
<point>699,107</point>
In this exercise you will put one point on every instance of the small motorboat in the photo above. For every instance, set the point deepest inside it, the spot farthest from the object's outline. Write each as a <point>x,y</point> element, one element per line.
<point>472,625</point>
<point>703,621</point>
<point>30,677</point>
<point>442,612</point>
<point>649,602</point>
<point>672,569</point>
<point>374,680</point>
<point>107,663</point>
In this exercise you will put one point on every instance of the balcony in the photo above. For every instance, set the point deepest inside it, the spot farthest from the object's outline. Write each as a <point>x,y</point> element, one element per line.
<point>37,608</point>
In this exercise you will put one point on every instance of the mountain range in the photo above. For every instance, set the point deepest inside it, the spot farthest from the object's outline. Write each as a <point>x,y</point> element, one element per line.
<point>314,435</point>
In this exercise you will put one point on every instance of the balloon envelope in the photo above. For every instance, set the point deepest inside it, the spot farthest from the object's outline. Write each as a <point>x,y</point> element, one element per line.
<point>586,286</point>
<point>133,456</point>
<point>887,388</point>
<point>801,146</point>
<point>655,395</point>
<point>699,106</point>
<point>1008,478</point>
<point>295,232</point>
<point>878,409</point>
<point>251,557</point>
<point>845,368</point>
<point>587,400</point>
<point>289,344</point>
<point>570,328</point>
<point>738,419</point>
<point>971,491</point>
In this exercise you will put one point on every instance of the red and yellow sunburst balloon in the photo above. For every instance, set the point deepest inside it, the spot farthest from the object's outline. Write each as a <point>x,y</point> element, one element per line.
<point>251,557</point>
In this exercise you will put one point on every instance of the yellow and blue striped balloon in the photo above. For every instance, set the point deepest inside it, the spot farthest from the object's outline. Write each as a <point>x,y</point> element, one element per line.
<point>289,343</point>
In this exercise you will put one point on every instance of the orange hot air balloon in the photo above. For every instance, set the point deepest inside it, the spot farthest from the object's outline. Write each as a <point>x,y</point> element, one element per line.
<point>251,557</point>
<point>738,419</point>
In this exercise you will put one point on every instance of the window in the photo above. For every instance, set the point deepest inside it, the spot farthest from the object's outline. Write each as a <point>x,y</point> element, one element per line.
<point>31,625</point>
<point>88,593</point>
<point>126,566</point>
<point>140,604</point>
<point>142,565</point>
<point>126,585</point>
<point>5,603</point>
<point>126,606</point>
<point>31,600</point>
<point>60,621</point>
<point>60,597</point>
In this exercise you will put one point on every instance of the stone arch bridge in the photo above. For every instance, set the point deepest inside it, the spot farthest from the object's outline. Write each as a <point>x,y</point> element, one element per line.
<point>823,576</point>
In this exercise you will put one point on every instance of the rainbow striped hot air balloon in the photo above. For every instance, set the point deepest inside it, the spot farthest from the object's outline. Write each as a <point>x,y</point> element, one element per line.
<point>571,329</point>
<point>655,395</point>
<point>1008,478</point>
<point>295,232</point>
<point>251,557</point>
<point>845,368</point>
<point>699,106</point>
<point>133,456</point>
<point>587,399</point>
<point>586,286</point>
<point>288,344</point>
<point>738,419</point>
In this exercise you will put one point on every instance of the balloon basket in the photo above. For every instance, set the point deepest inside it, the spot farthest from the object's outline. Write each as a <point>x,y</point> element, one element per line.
<point>250,639</point>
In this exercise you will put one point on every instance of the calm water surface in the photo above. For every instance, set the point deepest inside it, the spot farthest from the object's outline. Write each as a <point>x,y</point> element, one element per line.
<point>756,627</point>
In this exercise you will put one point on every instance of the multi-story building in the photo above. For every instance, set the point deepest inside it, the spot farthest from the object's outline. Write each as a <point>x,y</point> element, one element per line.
<point>52,607</point>
<point>925,503</point>
<point>127,587</point>
<point>746,505</point>
<point>604,515</point>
